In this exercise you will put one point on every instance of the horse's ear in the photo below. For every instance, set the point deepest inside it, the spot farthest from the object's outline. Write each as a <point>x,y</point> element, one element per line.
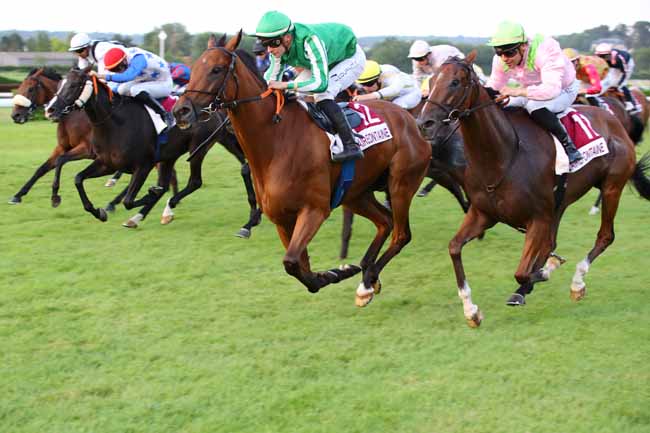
<point>212,41</point>
<point>471,56</point>
<point>222,40</point>
<point>233,43</point>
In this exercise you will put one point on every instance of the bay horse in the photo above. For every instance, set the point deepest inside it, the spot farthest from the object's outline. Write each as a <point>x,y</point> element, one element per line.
<point>72,133</point>
<point>292,171</point>
<point>510,178</point>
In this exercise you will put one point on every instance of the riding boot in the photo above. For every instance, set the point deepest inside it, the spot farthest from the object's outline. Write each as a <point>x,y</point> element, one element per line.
<point>630,103</point>
<point>150,102</point>
<point>549,121</point>
<point>337,117</point>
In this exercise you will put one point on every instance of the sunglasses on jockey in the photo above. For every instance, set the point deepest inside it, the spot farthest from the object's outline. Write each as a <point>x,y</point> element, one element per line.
<point>273,43</point>
<point>507,52</point>
<point>420,59</point>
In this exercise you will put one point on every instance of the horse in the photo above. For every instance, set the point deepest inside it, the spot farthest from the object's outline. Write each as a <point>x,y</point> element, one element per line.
<point>446,168</point>
<point>292,171</point>
<point>510,178</point>
<point>135,152</point>
<point>73,133</point>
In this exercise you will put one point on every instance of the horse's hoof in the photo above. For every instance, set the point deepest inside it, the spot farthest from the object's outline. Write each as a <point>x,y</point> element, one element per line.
<point>363,295</point>
<point>15,200</point>
<point>166,219</point>
<point>376,286</point>
<point>129,224</point>
<point>110,183</point>
<point>516,300</point>
<point>594,210</point>
<point>243,233</point>
<point>577,294</point>
<point>423,193</point>
<point>103,216</point>
<point>475,320</point>
<point>56,200</point>
<point>110,207</point>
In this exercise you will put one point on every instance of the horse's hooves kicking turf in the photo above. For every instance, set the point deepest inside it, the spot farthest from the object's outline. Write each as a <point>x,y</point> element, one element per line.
<point>516,300</point>
<point>110,207</point>
<point>475,320</point>
<point>577,294</point>
<point>103,216</point>
<point>56,200</point>
<point>243,233</point>
<point>166,219</point>
<point>15,200</point>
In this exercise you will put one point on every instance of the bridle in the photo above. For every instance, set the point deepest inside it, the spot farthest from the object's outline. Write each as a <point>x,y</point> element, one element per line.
<point>88,86</point>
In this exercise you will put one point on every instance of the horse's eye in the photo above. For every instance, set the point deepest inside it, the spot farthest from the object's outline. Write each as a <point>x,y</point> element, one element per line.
<point>454,83</point>
<point>217,69</point>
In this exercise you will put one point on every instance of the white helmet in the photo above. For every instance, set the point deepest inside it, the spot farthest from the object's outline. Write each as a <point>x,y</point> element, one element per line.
<point>79,41</point>
<point>603,48</point>
<point>419,48</point>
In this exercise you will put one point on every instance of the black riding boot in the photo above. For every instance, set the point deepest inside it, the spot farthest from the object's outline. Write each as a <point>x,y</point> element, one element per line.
<point>549,121</point>
<point>146,99</point>
<point>630,103</point>
<point>335,114</point>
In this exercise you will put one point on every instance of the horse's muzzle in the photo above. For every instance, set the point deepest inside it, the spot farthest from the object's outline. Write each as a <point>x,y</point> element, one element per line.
<point>184,113</point>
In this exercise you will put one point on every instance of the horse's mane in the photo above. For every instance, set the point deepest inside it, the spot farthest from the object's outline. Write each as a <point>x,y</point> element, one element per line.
<point>46,72</point>
<point>249,61</point>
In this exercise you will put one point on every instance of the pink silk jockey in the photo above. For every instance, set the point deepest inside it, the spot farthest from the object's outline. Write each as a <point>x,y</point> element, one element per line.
<point>549,72</point>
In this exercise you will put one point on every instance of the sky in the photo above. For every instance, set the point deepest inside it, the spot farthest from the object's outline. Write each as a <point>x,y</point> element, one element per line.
<point>367,18</point>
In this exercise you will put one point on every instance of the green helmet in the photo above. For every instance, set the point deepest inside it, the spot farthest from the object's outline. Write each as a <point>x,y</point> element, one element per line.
<point>273,24</point>
<point>508,33</point>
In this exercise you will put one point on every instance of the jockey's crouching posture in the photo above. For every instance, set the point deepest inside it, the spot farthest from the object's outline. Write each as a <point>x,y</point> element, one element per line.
<point>140,74</point>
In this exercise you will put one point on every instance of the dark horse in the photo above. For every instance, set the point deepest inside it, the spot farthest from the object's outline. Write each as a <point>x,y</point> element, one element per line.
<point>124,139</point>
<point>510,178</point>
<point>291,167</point>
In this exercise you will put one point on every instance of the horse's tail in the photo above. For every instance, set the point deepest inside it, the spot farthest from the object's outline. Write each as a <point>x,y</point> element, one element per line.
<point>640,177</point>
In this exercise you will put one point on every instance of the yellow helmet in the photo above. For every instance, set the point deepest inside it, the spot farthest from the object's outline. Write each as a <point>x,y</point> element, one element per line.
<point>571,53</point>
<point>371,72</point>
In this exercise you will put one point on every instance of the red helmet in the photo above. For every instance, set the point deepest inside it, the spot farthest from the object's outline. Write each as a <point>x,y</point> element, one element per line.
<point>114,57</point>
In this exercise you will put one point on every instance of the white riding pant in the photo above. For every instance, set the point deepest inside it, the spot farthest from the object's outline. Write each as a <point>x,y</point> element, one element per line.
<point>341,76</point>
<point>410,100</point>
<point>556,105</point>
<point>157,89</point>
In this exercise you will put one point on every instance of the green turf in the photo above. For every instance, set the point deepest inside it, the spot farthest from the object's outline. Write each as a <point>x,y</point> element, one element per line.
<point>186,328</point>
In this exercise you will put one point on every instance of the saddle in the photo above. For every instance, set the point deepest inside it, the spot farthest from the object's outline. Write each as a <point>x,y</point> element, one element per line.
<point>323,122</point>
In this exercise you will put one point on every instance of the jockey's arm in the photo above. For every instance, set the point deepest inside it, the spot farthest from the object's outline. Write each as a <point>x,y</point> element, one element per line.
<point>392,86</point>
<point>136,66</point>
<point>317,55</point>
<point>276,67</point>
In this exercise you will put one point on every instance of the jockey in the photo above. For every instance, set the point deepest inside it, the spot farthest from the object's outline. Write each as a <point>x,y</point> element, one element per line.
<point>142,75</point>
<point>590,70</point>
<point>388,82</point>
<point>91,52</point>
<point>262,58</point>
<point>180,77</point>
<point>426,61</point>
<point>621,66</point>
<point>547,78</point>
<point>329,58</point>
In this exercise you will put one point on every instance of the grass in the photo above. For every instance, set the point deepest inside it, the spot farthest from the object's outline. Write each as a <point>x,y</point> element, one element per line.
<point>185,328</point>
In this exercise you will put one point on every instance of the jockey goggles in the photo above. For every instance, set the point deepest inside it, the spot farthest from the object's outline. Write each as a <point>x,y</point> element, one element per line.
<point>507,52</point>
<point>273,43</point>
<point>419,59</point>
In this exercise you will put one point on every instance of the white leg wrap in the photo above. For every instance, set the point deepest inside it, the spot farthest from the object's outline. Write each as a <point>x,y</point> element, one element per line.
<point>552,263</point>
<point>136,218</point>
<point>362,290</point>
<point>578,282</point>
<point>168,210</point>
<point>465,294</point>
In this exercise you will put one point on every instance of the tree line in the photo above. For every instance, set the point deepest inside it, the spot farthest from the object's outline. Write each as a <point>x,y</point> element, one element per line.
<point>180,45</point>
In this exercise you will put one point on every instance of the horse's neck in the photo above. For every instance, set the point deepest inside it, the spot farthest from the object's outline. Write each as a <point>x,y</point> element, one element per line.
<point>490,139</point>
<point>98,107</point>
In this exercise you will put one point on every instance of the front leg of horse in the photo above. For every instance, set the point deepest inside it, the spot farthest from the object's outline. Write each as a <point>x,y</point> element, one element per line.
<point>77,153</point>
<point>95,169</point>
<point>474,224</point>
<point>137,180</point>
<point>194,182</point>
<point>255,215</point>
<point>40,172</point>
<point>537,249</point>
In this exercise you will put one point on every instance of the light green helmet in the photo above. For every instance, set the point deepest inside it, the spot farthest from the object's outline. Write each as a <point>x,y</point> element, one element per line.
<point>273,24</point>
<point>508,33</point>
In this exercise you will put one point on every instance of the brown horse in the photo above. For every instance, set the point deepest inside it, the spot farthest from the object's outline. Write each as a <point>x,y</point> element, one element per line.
<point>291,167</point>
<point>510,178</point>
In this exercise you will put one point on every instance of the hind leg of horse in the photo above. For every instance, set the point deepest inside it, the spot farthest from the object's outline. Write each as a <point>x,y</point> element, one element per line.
<point>554,261</point>
<point>165,174</point>
<point>75,154</point>
<point>255,214</point>
<point>95,169</point>
<point>455,189</point>
<point>40,172</point>
<point>427,188</point>
<point>346,232</point>
<point>605,237</point>
<point>368,207</point>
<point>473,225</point>
<point>537,248</point>
<point>110,207</point>
<point>113,180</point>
<point>193,183</point>
<point>596,207</point>
<point>138,178</point>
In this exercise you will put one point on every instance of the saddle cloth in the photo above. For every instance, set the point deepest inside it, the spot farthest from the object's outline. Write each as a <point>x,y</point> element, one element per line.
<point>158,123</point>
<point>589,143</point>
<point>369,129</point>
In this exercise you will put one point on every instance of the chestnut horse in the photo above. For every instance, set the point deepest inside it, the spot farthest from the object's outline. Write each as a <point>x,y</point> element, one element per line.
<point>293,175</point>
<point>510,178</point>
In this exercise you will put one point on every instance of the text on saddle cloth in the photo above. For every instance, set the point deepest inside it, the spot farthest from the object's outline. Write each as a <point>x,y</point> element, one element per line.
<point>589,143</point>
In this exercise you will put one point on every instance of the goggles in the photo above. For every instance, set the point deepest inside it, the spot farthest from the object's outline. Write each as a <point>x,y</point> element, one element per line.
<point>420,59</point>
<point>273,43</point>
<point>508,53</point>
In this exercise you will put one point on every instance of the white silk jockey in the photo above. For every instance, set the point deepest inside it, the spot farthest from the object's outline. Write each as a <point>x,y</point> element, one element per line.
<point>155,78</point>
<point>395,86</point>
<point>437,55</point>
<point>96,52</point>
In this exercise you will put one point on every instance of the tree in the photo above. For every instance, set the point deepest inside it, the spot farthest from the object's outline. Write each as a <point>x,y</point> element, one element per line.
<point>126,40</point>
<point>59,45</point>
<point>642,61</point>
<point>40,42</point>
<point>640,36</point>
<point>393,52</point>
<point>177,45</point>
<point>12,42</point>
